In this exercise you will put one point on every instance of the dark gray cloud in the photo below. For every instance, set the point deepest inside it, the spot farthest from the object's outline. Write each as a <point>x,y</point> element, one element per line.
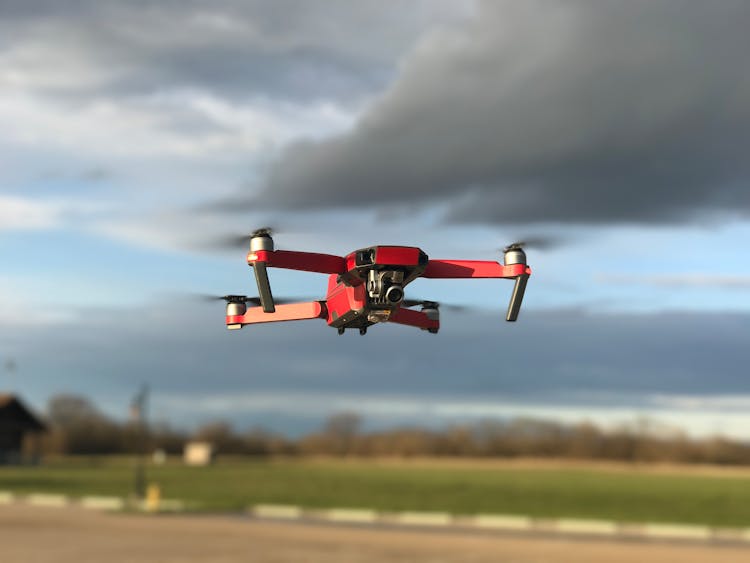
<point>578,111</point>
<point>557,358</point>
<point>289,49</point>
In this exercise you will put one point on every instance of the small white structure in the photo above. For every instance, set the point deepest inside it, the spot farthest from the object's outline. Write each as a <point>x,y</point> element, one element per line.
<point>159,457</point>
<point>198,453</point>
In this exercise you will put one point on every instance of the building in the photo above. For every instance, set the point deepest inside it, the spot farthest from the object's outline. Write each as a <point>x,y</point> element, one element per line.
<point>198,453</point>
<point>16,423</point>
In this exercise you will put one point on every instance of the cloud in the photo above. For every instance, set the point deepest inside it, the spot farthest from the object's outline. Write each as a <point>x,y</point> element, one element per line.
<point>583,111</point>
<point>290,49</point>
<point>185,99</point>
<point>552,361</point>
<point>21,305</point>
<point>697,280</point>
<point>179,124</point>
<point>20,213</point>
<point>550,356</point>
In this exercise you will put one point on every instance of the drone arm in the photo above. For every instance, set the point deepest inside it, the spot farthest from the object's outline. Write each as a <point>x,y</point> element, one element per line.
<point>484,269</point>
<point>410,317</point>
<point>290,312</point>
<point>514,307</point>
<point>264,287</point>
<point>473,269</point>
<point>304,261</point>
<point>260,259</point>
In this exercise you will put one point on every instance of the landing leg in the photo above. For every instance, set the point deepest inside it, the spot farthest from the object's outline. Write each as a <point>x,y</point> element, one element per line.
<point>341,330</point>
<point>363,330</point>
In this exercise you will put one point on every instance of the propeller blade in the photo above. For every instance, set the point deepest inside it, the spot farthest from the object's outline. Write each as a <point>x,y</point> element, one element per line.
<point>209,297</point>
<point>227,298</point>
<point>232,242</point>
<point>263,232</point>
<point>235,241</point>
<point>250,300</point>
<point>433,304</point>
<point>413,302</point>
<point>538,242</point>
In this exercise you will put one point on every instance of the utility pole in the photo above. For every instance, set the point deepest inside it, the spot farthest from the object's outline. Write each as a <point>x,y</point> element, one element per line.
<point>139,415</point>
<point>11,367</point>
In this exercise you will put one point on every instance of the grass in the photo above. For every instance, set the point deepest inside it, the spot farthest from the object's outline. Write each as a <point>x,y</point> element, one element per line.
<point>581,492</point>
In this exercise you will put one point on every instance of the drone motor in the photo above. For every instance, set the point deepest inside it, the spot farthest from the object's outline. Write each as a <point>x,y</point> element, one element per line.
<point>514,254</point>
<point>261,240</point>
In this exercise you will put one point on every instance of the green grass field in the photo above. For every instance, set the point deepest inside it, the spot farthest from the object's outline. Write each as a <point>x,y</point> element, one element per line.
<point>586,492</point>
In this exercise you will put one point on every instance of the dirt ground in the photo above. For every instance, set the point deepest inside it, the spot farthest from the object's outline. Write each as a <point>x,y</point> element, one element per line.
<point>68,535</point>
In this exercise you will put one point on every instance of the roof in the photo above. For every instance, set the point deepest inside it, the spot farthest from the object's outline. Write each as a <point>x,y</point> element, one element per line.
<point>13,413</point>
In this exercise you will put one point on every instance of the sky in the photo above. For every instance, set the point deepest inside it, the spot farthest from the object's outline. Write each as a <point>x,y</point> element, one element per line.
<point>136,137</point>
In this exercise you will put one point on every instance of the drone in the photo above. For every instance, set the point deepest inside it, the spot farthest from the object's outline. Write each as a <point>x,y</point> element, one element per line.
<point>365,287</point>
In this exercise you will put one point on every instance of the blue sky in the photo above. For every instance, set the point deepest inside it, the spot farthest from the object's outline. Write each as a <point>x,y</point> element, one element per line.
<point>135,138</point>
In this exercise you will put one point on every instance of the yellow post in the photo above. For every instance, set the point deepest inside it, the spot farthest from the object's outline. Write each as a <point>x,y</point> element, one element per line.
<point>153,498</point>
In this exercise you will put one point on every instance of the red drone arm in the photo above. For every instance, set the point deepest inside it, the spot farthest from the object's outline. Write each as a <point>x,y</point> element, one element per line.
<point>485,269</point>
<point>290,312</point>
<point>411,317</point>
<point>304,261</point>
<point>473,269</point>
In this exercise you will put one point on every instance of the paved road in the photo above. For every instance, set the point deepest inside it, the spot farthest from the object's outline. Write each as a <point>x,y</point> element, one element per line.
<point>70,535</point>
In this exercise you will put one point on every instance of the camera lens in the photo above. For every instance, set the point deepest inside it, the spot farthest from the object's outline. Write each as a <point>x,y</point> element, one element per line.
<point>394,294</point>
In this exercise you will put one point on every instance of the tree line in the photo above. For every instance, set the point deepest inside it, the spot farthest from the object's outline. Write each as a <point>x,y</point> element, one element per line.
<point>76,426</point>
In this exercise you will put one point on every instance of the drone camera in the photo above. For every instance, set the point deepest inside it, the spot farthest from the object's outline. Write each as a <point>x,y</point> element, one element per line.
<point>385,287</point>
<point>394,294</point>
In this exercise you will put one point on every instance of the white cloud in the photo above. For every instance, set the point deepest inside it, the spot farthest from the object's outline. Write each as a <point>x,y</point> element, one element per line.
<point>166,230</point>
<point>694,279</point>
<point>178,124</point>
<point>20,213</point>
<point>21,305</point>
<point>35,63</point>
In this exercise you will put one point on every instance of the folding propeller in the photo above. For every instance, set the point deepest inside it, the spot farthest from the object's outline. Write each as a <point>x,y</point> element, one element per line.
<point>235,241</point>
<point>263,232</point>
<point>245,299</point>
<point>536,242</point>
<point>433,305</point>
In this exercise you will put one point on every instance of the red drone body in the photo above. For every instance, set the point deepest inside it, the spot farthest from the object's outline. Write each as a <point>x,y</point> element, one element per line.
<point>367,286</point>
